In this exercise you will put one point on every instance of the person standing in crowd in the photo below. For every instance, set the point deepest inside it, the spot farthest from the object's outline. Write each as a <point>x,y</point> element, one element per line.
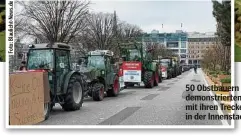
<point>195,68</point>
<point>23,66</point>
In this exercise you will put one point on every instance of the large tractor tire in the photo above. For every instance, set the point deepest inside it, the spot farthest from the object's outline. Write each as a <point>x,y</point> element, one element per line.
<point>47,109</point>
<point>156,81</point>
<point>98,92</point>
<point>114,91</point>
<point>75,94</point>
<point>149,79</point>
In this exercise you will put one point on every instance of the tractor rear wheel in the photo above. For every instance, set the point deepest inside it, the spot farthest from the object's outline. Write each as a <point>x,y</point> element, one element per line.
<point>149,79</point>
<point>98,92</point>
<point>114,91</point>
<point>75,94</point>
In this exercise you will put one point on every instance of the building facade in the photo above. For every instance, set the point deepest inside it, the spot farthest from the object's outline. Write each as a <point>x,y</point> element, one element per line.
<point>177,42</point>
<point>198,43</point>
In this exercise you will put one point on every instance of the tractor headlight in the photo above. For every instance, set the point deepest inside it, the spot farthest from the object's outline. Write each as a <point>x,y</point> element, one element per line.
<point>31,46</point>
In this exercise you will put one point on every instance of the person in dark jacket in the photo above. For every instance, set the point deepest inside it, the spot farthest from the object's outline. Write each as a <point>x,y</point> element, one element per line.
<point>195,68</point>
<point>23,66</point>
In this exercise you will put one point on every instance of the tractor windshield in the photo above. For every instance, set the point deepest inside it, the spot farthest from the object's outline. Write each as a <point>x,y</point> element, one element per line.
<point>134,55</point>
<point>165,62</point>
<point>40,59</point>
<point>96,61</point>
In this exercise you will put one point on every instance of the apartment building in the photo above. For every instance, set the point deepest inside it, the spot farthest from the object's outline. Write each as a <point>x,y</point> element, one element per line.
<point>198,43</point>
<point>177,42</point>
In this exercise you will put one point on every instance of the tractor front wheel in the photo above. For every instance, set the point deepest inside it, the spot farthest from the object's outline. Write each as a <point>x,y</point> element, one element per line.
<point>149,79</point>
<point>98,92</point>
<point>114,91</point>
<point>75,94</point>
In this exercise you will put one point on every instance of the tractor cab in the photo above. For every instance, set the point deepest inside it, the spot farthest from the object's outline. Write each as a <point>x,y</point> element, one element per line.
<point>65,84</point>
<point>131,52</point>
<point>100,59</point>
<point>53,58</point>
<point>49,57</point>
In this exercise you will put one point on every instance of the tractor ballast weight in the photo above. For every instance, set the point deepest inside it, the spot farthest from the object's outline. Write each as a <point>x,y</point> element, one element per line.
<point>133,53</point>
<point>66,85</point>
<point>99,75</point>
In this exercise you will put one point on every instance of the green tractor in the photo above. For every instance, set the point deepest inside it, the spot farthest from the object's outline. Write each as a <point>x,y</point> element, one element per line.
<point>66,85</point>
<point>167,67</point>
<point>100,74</point>
<point>145,68</point>
<point>177,66</point>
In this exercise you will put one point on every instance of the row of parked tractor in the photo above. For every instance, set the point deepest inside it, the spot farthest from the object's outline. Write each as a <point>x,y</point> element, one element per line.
<point>98,74</point>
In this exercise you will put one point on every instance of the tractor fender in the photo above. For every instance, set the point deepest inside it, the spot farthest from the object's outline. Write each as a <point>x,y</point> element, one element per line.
<point>113,78</point>
<point>67,78</point>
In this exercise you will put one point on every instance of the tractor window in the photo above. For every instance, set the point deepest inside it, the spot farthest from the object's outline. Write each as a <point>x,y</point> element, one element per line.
<point>62,60</point>
<point>96,61</point>
<point>134,55</point>
<point>40,59</point>
<point>108,64</point>
<point>165,62</point>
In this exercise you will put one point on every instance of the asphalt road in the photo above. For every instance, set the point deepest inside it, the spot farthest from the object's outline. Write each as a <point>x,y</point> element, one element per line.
<point>162,105</point>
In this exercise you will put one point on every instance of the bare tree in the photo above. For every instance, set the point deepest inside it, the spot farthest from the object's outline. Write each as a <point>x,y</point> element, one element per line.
<point>214,58</point>
<point>103,31</point>
<point>159,50</point>
<point>126,31</point>
<point>99,32</point>
<point>54,21</point>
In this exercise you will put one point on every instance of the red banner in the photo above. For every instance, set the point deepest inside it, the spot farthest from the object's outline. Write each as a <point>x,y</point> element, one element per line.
<point>131,65</point>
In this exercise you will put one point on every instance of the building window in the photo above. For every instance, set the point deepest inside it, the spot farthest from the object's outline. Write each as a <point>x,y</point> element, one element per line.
<point>183,50</point>
<point>183,56</point>
<point>183,45</point>
<point>172,45</point>
<point>189,61</point>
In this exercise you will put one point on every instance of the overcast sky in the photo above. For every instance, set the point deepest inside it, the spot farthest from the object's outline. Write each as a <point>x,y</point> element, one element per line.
<point>149,15</point>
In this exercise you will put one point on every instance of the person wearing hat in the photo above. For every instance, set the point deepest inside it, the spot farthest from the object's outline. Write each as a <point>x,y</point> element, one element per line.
<point>23,66</point>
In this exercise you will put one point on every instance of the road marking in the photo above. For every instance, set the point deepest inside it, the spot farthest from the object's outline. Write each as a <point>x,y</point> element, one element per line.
<point>163,88</point>
<point>150,97</point>
<point>194,80</point>
<point>220,112</point>
<point>120,116</point>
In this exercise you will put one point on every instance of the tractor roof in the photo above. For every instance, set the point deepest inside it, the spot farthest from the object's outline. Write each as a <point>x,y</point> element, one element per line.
<point>166,58</point>
<point>101,52</point>
<point>48,45</point>
<point>130,45</point>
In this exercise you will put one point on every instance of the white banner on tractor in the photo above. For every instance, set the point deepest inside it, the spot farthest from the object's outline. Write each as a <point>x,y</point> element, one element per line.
<point>132,72</point>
